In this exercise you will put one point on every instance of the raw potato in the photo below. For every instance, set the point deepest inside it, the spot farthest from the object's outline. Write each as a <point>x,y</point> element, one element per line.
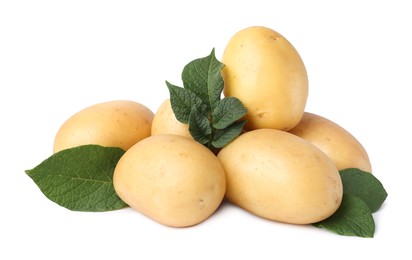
<point>266,73</point>
<point>172,179</point>
<point>165,122</point>
<point>282,177</point>
<point>119,123</point>
<point>341,146</point>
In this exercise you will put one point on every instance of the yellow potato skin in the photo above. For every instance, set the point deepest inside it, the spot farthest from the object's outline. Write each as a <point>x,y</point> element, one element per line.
<point>267,74</point>
<point>172,179</point>
<point>340,145</point>
<point>165,122</point>
<point>279,176</point>
<point>118,123</point>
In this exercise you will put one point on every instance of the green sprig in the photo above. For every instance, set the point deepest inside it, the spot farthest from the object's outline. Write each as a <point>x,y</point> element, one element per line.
<point>213,122</point>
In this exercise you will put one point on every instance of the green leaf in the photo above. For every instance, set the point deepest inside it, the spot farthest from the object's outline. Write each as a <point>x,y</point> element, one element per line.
<point>227,111</point>
<point>80,178</point>
<point>199,125</point>
<point>223,137</point>
<point>202,76</point>
<point>353,218</point>
<point>365,186</point>
<point>182,100</point>
<point>212,121</point>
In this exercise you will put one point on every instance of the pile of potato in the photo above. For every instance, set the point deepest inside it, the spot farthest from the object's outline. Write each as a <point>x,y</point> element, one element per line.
<point>284,167</point>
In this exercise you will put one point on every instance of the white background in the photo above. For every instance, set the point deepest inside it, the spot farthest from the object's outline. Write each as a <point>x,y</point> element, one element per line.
<point>57,57</point>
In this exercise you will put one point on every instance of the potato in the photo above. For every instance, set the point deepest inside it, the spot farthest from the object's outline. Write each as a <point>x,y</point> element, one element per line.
<point>119,123</point>
<point>341,146</point>
<point>172,179</point>
<point>266,73</point>
<point>165,122</point>
<point>282,177</point>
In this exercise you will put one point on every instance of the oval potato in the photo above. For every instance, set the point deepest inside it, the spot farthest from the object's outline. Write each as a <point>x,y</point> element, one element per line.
<point>165,122</point>
<point>340,145</point>
<point>119,123</point>
<point>282,177</point>
<point>172,179</point>
<point>267,74</point>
